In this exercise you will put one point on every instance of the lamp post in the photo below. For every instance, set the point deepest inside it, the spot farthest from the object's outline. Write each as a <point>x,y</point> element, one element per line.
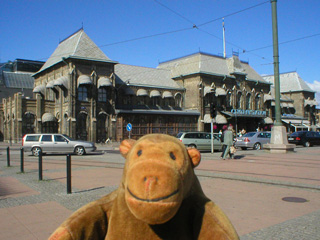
<point>279,142</point>
<point>276,62</point>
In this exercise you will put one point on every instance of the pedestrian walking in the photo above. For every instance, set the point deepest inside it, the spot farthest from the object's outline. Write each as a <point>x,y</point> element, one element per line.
<point>227,143</point>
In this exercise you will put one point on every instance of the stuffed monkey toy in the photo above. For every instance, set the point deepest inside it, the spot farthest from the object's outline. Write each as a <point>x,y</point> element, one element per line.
<point>159,197</point>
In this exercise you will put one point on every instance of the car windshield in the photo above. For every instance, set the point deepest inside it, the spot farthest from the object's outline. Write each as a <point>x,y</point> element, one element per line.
<point>250,134</point>
<point>67,137</point>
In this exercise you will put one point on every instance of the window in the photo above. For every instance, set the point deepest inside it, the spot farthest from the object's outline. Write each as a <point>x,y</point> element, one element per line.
<point>238,102</point>
<point>59,138</point>
<point>28,120</point>
<point>257,102</point>
<point>155,101</point>
<point>248,101</point>
<point>32,138</point>
<point>46,138</point>
<point>178,100</point>
<point>82,93</point>
<point>102,95</point>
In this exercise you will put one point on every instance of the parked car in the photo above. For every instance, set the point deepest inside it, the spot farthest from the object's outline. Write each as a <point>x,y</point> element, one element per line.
<point>200,140</point>
<point>253,140</point>
<point>55,143</point>
<point>305,138</point>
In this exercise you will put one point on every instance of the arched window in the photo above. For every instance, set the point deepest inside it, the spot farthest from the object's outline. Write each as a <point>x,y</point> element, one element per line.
<point>238,103</point>
<point>82,93</point>
<point>257,102</point>
<point>28,123</point>
<point>248,101</point>
<point>101,128</point>
<point>178,100</point>
<point>82,126</point>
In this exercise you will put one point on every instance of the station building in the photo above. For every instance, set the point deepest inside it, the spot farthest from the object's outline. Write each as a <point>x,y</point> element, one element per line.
<point>80,92</point>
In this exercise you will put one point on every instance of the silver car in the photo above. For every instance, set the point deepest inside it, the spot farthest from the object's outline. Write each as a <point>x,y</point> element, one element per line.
<point>55,143</point>
<point>253,140</point>
<point>200,140</point>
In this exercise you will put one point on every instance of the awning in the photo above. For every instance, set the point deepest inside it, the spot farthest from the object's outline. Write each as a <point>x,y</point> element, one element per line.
<point>104,82</point>
<point>167,94</point>
<point>155,93</point>
<point>267,97</point>
<point>221,119</point>
<point>84,80</point>
<point>207,90</point>
<point>220,92</point>
<point>48,117</point>
<point>129,91</point>
<point>268,120</point>
<point>50,84</point>
<point>39,89</point>
<point>142,93</point>
<point>207,118</point>
<point>296,121</point>
<point>61,82</point>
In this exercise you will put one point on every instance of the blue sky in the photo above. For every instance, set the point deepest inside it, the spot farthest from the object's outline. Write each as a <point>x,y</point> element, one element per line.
<point>32,29</point>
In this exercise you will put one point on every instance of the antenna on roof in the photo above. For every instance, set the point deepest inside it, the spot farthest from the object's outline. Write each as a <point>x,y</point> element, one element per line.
<point>224,38</point>
<point>81,25</point>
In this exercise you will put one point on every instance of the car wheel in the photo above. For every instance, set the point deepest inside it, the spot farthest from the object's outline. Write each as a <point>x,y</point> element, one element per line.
<point>192,146</point>
<point>243,148</point>
<point>307,144</point>
<point>79,151</point>
<point>36,151</point>
<point>257,146</point>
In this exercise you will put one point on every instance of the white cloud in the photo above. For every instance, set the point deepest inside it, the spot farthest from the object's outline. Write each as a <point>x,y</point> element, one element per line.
<point>315,86</point>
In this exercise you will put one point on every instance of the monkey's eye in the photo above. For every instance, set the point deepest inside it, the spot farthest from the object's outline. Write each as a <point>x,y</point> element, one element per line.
<point>173,157</point>
<point>139,153</point>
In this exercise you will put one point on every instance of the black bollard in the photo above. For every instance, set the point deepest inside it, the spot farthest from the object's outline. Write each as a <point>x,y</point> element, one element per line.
<point>8,156</point>
<point>69,174</point>
<point>40,165</point>
<point>21,160</point>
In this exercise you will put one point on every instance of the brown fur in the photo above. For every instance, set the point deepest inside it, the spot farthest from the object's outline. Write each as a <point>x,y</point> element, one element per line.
<point>159,197</point>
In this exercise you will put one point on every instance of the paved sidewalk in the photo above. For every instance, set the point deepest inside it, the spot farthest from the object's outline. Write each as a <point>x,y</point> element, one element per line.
<point>266,196</point>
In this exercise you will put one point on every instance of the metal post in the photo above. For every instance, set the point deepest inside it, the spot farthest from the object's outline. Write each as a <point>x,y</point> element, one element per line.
<point>40,165</point>
<point>69,174</point>
<point>212,148</point>
<point>276,62</point>
<point>21,160</point>
<point>8,156</point>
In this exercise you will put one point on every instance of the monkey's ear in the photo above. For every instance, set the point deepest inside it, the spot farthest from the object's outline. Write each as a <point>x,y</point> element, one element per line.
<point>195,156</point>
<point>125,146</point>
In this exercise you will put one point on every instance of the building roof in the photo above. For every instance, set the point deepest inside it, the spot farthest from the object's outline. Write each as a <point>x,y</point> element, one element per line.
<point>78,45</point>
<point>210,64</point>
<point>18,80</point>
<point>290,82</point>
<point>144,76</point>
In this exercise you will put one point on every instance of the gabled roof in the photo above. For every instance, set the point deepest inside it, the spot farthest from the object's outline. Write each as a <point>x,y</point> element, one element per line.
<point>18,80</point>
<point>290,82</point>
<point>144,76</point>
<point>210,64</point>
<point>78,45</point>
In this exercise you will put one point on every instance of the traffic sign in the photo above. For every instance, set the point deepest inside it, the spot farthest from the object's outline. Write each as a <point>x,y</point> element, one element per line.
<point>129,127</point>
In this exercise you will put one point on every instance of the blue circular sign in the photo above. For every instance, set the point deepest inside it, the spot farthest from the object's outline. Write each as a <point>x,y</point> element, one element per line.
<point>129,127</point>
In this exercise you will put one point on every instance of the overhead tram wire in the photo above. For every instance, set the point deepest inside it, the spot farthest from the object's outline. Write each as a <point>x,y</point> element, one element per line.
<point>285,42</point>
<point>228,15</point>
